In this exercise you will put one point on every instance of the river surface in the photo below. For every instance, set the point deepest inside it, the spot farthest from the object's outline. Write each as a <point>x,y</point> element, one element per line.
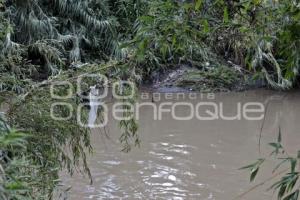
<point>192,159</point>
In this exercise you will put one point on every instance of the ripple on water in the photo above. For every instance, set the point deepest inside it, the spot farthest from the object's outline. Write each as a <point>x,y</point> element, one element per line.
<point>172,177</point>
<point>175,161</point>
<point>111,162</point>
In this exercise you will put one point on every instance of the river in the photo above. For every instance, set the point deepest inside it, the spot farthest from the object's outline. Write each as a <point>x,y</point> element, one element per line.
<point>193,159</point>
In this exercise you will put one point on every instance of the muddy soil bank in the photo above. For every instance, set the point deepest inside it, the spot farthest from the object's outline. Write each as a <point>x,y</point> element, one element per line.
<point>220,79</point>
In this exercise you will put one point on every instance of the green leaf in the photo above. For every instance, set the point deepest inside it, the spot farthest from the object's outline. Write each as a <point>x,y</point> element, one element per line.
<point>286,184</point>
<point>205,26</point>
<point>146,19</point>
<point>281,191</point>
<point>225,15</point>
<point>293,164</point>
<point>254,172</point>
<point>292,183</point>
<point>292,196</point>
<point>198,4</point>
<point>13,138</point>
<point>254,168</point>
<point>277,147</point>
<point>15,186</point>
<point>248,166</point>
<point>256,2</point>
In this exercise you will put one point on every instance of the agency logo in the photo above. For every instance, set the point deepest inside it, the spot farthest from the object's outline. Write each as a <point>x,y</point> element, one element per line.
<point>196,106</point>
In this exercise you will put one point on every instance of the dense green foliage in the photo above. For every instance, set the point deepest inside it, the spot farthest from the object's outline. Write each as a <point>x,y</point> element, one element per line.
<point>169,35</point>
<point>43,37</point>
<point>21,176</point>
<point>276,41</point>
<point>50,40</point>
<point>33,160</point>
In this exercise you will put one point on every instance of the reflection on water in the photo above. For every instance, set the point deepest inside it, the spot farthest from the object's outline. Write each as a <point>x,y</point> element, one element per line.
<point>189,159</point>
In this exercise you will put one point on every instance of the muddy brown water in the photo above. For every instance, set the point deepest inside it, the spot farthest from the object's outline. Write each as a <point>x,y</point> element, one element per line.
<point>191,159</point>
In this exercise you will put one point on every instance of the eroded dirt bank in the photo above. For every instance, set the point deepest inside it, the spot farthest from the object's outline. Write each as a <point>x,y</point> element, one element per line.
<point>207,79</point>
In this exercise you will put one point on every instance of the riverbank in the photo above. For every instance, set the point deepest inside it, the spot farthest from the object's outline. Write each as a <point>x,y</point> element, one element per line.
<point>207,79</point>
